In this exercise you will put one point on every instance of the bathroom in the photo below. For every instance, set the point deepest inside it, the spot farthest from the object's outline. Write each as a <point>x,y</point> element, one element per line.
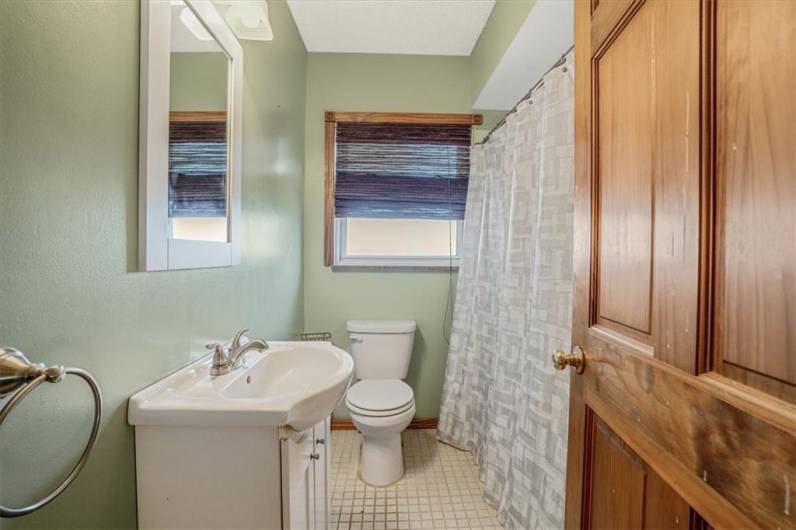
<point>582,327</point>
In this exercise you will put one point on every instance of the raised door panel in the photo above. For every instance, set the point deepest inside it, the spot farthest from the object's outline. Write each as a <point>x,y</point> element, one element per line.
<point>756,204</point>
<point>664,508</point>
<point>646,179</point>
<point>623,492</point>
<point>605,15</point>
<point>626,114</point>
<point>617,482</point>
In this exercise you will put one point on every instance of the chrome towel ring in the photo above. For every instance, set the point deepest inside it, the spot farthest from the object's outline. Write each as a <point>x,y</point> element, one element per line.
<point>18,378</point>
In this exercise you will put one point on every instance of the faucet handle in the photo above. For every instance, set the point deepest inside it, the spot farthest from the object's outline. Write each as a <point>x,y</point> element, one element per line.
<point>220,359</point>
<point>213,346</point>
<point>235,344</point>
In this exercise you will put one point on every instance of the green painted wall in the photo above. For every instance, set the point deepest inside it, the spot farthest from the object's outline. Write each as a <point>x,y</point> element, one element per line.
<point>68,212</point>
<point>68,216</point>
<point>198,81</point>
<point>361,82</point>
<point>505,20</point>
<point>491,118</point>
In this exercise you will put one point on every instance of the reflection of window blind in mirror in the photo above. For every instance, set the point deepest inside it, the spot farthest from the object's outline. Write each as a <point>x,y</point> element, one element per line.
<point>401,170</point>
<point>197,164</point>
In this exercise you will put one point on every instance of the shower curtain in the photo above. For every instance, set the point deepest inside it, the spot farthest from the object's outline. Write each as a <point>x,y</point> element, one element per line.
<point>502,399</point>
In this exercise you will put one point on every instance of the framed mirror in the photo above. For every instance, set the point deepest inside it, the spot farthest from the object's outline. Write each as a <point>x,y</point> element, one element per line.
<point>190,137</point>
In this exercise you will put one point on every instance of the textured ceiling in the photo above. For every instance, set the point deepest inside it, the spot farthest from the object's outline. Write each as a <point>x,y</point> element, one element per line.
<point>411,27</point>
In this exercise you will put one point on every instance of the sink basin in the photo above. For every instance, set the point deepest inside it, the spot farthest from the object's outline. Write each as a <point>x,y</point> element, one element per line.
<point>292,383</point>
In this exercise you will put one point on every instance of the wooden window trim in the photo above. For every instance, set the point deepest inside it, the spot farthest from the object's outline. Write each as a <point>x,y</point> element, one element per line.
<point>182,116</point>
<point>404,117</point>
<point>332,118</point>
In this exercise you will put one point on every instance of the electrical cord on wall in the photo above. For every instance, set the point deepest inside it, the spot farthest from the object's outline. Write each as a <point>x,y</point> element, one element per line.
<point>447,321</point>
<point>447,318</point>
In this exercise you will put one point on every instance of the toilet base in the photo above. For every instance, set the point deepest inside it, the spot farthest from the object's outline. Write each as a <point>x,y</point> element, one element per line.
<point>381,461</point>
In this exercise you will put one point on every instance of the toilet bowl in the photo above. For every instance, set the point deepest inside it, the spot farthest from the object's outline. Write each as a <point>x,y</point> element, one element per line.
<point>381,409</point>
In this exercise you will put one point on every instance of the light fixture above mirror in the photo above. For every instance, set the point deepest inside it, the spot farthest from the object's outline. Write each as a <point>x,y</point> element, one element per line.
<point>247,18</point>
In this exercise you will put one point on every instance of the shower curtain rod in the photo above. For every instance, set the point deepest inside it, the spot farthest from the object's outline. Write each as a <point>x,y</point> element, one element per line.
<point>561,60</point>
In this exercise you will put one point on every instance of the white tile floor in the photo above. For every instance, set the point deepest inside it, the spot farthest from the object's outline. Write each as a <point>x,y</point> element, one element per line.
<point>440,488</point>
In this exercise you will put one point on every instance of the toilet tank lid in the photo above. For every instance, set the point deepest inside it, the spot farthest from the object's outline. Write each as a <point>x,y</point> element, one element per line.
<point>381,326</point>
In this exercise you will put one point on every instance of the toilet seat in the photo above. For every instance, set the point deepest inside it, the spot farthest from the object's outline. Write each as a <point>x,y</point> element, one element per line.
<point>378,413</point>
<point>380,397</point>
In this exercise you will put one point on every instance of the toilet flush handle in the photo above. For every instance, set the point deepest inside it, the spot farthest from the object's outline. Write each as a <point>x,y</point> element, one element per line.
<point>354,338</point>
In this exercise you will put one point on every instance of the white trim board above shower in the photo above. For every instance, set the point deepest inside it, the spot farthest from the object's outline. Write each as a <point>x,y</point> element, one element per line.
<point>545,35</point>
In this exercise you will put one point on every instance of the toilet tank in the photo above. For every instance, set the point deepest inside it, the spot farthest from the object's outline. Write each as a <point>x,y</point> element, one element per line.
<point>381,348</point>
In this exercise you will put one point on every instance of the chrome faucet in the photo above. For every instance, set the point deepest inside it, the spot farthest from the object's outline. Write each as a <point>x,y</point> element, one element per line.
<point>227,359</point>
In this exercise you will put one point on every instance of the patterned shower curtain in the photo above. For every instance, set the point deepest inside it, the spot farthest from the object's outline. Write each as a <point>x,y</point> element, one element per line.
<point>502,399</point>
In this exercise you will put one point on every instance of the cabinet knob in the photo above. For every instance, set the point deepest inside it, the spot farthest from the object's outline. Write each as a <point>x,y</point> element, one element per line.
<point>320,441</point>
<point>315,456</point>
<point>576,359</point>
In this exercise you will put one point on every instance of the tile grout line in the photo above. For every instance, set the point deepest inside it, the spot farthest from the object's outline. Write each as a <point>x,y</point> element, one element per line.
<point>440,489</point>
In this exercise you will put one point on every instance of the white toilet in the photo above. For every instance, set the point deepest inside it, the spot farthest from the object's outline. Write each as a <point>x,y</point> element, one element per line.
<point>381,404</point>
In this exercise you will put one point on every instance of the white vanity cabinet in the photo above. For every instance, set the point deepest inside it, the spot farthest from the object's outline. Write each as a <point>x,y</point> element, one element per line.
<point>305,467</point>
<point>232,477</point>
<point>215,452</point>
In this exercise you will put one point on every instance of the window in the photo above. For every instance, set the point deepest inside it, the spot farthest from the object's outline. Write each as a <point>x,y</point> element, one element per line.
<point>396,188</point>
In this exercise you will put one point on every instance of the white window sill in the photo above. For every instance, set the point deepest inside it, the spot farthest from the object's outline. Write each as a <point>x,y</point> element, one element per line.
<point>393,268</point>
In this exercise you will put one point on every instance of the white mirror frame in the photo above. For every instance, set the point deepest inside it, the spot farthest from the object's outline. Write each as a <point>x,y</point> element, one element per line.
<point>156,250</point>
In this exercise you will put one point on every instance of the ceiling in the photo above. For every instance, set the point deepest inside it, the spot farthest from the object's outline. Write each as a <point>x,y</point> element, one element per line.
<point>411,27</point>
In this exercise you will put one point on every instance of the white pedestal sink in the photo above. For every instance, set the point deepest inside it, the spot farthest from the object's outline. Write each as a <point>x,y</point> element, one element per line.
<point>242,450</point>
<point>292,383</point>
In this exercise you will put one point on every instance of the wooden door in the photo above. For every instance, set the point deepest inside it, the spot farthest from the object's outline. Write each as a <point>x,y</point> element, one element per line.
<point>685,265</point>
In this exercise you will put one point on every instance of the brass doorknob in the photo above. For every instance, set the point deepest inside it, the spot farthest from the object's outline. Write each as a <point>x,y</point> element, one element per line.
<point>575,359</point>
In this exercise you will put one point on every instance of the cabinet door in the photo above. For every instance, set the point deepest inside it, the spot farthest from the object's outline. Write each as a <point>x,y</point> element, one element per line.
<point>321,472</point>
<point>298,488</point>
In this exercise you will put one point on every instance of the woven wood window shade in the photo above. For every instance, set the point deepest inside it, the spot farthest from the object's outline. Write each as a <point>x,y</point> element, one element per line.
<point>198,165</point>
<point>401,170</point>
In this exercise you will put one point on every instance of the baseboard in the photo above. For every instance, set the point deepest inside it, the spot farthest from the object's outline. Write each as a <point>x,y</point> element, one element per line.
<point>418,423</point>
